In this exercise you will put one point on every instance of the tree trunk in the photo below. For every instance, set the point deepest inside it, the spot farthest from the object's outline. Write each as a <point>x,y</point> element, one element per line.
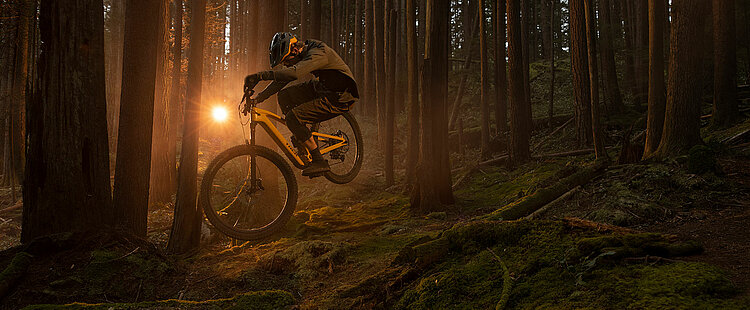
<point>132,169</point>
<point>66,184</point>
<point>433,183</point>
<point>656,88</point>
<point>629,39</point>
<point>520,120</point>
<point>684,91</point>
<point>185,234</point>
<point>316,17</point>
<point>609,68</point>
<point>20,79</point>
<point>501,79</point>
<point>596,130</point>
<point>161,163</point>
<point>580,67</point>
<point>380,81</point>
<point>413,90</point>
<point>485,84</point>
<point>642,51</point>
<point>726,111</point>
<point>175,98</point>
<point>390,99</point>
<point>370,91</point>
<point>116,26</point>
<point>553,26</point>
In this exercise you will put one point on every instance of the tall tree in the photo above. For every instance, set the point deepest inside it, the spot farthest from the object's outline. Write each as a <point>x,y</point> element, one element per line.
<point>501,79</point>
<point>20,79</point>
<point>390,99</point>
<point>185,234</point>
<point>113,54</point>
<point>485,83</point>
<point>316,18</point>
<point>609,69</point>
<point>162,152</point>
<point>684,91</point>
<point>413,89</point>
<point>66,180</point>
<point>370,91</point>
<point>580,67</point>
<point>725,64</point>
<point>641,31</point>
<point>132,168</point>
<point>175,97</point>
<point>656,87</point>
<point>432,188</point>
<point>551,55</point>
<point>520,119</point>
<point>380,79</point>
<point>597,131</point>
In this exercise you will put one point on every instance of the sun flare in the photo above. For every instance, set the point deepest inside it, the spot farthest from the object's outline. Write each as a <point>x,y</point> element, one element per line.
<point>220,114</point>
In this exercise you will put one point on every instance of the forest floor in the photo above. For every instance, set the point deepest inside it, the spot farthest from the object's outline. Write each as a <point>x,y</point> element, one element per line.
<point>652,234</point>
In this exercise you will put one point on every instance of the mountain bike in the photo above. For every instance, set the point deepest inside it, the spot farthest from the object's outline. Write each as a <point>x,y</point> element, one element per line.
<point>249,191</point>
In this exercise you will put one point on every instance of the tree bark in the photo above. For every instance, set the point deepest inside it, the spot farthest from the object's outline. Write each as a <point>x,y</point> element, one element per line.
<point>162,155</point>
<point>413,89</point>
<point>133,164</point>
<point>433,188</point>
<point>369,32</point>
<point>116,26</point>
<point>609,68</point>
<point>501,79</point>
<point>656,88</point>
<point>485,84</point>
<point>20,79</point>
<point>684,91</point>
<point>580,67</point>
<point>596,129</point>
<point>725,110</point>
<point>642,52</point>
<point>390,99</point>
<point>520,120</point>
<point>380,82</point>
<point>185,234</point>
<point>66,182</point>
<point>316,16</point>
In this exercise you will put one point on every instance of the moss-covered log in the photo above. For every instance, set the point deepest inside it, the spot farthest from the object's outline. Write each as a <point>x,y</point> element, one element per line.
<point>540,198</point>
<point>15,270</point>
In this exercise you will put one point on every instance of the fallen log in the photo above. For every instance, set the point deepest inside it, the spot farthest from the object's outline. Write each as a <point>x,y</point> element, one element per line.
<point>736,137</point>
<point>542,197</point>
<point>543,209</point>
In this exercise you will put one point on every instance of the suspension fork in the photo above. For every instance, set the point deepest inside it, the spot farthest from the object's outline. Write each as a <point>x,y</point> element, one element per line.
<point>253,163</point>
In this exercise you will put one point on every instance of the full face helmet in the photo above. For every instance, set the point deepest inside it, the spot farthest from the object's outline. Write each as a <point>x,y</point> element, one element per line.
<point>281,47</point>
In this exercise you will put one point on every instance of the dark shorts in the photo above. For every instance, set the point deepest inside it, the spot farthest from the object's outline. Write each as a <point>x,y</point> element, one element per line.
<point>309,102</point>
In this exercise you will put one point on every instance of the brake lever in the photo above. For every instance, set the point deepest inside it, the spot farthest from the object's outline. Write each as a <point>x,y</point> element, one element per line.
<point>247,95</point>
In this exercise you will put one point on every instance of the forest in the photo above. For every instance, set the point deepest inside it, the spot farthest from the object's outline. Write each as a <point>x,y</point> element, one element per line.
<point>411,154</point>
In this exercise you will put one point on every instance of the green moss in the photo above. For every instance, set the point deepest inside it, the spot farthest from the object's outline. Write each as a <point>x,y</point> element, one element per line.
<point>560,267</point>
<point>491,187</point>
<point>306,259</point>
<point>260,300</point>
<point>120,274</point>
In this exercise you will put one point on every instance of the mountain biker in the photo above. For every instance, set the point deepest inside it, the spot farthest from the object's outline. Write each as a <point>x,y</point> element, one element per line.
<point>330,94</point>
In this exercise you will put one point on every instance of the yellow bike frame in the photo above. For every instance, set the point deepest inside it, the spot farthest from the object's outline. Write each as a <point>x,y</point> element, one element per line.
<point>265,118</point>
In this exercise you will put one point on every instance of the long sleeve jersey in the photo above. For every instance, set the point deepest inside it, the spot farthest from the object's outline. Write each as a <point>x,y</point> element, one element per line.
<point>318,59</point>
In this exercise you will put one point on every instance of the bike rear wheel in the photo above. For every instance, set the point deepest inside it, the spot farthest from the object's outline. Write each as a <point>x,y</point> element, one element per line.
<point>243,208</point>
<point>345,161</point>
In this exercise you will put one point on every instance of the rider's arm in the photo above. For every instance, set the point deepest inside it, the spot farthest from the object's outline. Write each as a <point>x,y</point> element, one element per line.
<point>316,59</point>
<point>270,90</point>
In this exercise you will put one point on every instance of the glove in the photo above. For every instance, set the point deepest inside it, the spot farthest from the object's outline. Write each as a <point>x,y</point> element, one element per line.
<point>251,81</point>
<point>248,105</point>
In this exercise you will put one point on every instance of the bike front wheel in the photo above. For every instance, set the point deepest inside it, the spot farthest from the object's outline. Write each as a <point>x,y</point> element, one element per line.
<point>246,205</point>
